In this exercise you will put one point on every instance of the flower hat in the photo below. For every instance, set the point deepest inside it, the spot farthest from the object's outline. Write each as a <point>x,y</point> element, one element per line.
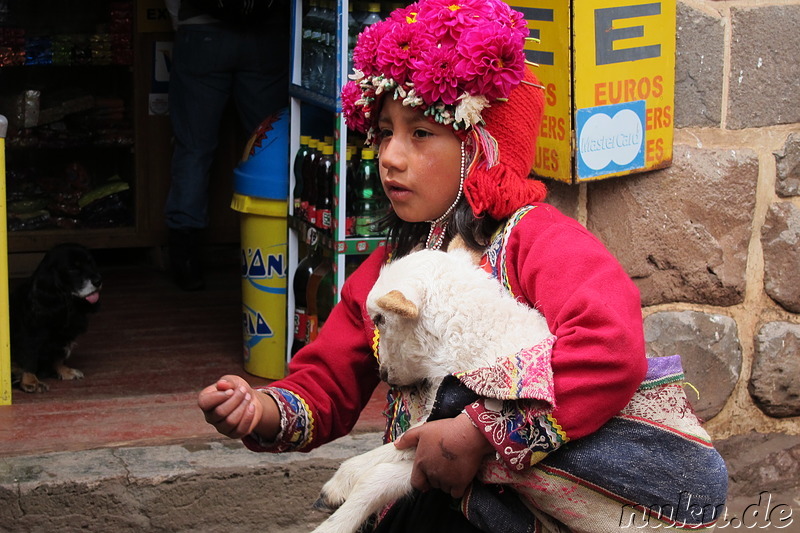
<point>463,63</point>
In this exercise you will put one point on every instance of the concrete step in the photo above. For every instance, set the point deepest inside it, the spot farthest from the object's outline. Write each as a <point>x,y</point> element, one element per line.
<point>199,487</point>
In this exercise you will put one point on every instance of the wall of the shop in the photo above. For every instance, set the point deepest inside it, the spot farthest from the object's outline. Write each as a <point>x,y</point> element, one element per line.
<point>713,242</point>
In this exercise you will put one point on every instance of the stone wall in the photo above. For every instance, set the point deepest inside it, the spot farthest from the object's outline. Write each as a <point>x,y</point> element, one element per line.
<point>713,241</point>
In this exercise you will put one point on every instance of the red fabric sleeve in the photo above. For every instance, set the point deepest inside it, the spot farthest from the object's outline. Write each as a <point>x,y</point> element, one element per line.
<point>593,308</point>
<point>337,373</point>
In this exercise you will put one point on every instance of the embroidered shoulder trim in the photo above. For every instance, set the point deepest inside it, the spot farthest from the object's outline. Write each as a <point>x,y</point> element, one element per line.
<point>526,375</point>
<point>498,247</point>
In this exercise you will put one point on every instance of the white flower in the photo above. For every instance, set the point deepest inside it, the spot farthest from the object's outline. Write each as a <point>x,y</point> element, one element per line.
<point>469,108</point>
<point>357,75</point>
<point>412,99</point>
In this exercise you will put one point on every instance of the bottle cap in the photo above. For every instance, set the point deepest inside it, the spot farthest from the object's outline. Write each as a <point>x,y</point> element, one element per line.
<point>327,149</point>
<point>304,139</point>
<point>374,7</point>
<point>312,142</point>
<point>367,153</point>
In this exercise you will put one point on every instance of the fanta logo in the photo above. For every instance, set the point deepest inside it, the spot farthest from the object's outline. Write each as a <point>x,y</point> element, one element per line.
<point>255,325</point>
<point>255,267</point>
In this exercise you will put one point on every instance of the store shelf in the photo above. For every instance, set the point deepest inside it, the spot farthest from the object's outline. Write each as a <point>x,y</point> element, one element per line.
<point>328,103</point>
<point>67,87</point>
<point>348,246</point>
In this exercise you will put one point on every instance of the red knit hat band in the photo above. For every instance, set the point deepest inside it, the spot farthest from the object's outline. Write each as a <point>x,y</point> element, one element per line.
<point>499,184</point>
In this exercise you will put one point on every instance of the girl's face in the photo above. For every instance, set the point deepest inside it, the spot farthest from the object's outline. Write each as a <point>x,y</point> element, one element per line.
<point>419,162</point>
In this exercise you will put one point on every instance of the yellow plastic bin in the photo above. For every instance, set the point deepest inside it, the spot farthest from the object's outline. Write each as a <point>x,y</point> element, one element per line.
<point>261,195</point>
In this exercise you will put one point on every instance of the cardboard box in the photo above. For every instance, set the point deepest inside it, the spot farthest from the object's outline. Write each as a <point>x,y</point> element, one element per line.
<point>608,68</point>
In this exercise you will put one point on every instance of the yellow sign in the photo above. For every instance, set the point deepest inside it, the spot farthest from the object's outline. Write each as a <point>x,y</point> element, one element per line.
<point>152,16</point>
<point>608,67</point>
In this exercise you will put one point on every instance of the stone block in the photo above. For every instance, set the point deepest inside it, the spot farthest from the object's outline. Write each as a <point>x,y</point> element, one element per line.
<point>787,166</point>
<point>663,229</point>
<point>563,197</point>
<point>775,378</point>
<point>764,68</point>
<point>710,351</point>
<point>198,487</point>
<point>780,239</point>
<point>699,57</point>
<point>764,481</point>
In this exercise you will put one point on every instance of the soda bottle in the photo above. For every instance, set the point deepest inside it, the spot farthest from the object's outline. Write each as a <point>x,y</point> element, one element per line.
<point>302,276</point>
<point>308,202</point>
<point>309,45</point>
<point>326,69</point>
<point>370,203</point>
<point>350,199</point>
<point>319,296</point>
<point>297,169</point>
<point>373,15</point>
<point>325,179</point>
<point>353,29</point>
<point>391,7</point>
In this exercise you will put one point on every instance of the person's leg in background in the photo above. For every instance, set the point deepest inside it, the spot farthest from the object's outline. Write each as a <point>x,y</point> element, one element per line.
<point>200,85</point>
<point>261,80</point>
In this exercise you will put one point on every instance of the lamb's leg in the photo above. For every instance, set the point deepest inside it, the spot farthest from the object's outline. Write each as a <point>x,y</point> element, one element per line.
<point>338,488</point>
<point>377,487</point>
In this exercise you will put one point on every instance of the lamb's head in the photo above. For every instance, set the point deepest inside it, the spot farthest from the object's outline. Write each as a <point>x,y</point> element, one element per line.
<point>411,304</point>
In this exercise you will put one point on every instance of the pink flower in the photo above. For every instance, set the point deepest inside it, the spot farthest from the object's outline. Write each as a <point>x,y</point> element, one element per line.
<point>354,113</point>
<point>434,76</point>
<point>401,45</point>
<point>513,19</point>
<point>366,50</point>
<point>405,15</point>
<point>447,19</point>
<point>491,60</point>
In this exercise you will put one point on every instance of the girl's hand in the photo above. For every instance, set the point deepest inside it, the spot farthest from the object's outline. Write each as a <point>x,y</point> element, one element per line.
<point>449,454</point>
<point>231,406</point>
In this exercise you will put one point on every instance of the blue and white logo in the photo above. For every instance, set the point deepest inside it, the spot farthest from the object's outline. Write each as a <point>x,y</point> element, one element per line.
<point>611,139</point>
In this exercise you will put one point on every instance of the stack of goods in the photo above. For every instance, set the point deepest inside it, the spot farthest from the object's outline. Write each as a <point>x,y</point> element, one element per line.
<point>110,122</point>
<point>57,34</point>
<point>120,31</point>
<point>66,197</point>
<point>12,47</point>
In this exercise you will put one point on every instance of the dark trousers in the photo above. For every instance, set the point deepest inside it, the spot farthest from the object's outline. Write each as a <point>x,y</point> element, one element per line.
<point>211,64</point>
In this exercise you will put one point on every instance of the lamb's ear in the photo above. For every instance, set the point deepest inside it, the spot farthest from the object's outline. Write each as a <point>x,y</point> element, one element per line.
<point>395,302</point>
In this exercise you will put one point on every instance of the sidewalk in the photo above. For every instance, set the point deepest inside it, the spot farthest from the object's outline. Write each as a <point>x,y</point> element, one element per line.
<point>127,449</point>
<point>194,487</point>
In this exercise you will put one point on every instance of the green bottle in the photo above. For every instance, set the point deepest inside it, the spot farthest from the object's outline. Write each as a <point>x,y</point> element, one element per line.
<point>370,201</point>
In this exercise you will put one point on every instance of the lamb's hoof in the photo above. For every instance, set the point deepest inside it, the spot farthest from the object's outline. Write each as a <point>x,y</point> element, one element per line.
<point>322,505</point>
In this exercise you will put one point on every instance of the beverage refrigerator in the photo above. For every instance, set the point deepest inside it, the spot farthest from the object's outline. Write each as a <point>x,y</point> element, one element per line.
<point>323,34</point>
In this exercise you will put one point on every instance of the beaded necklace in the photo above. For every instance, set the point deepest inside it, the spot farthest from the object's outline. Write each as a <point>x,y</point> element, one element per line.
<point>439,226</point>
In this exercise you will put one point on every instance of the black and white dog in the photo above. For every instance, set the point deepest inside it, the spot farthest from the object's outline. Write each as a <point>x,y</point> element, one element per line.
<point>48,311</point>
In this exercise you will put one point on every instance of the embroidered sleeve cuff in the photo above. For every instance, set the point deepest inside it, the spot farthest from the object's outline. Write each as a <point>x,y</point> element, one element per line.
<point>519,439</point>
<point>296,424</point>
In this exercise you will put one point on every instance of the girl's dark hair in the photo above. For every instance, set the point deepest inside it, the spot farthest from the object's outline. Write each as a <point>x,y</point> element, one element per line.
<point>476,231</point>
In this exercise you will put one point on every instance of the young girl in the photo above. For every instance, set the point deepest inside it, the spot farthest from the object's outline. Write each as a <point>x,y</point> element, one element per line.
<point>442,88</point>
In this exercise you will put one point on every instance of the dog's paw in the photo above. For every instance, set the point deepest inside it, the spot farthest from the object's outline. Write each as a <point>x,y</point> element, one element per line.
<point>30,383</point>
<point>67,373</point>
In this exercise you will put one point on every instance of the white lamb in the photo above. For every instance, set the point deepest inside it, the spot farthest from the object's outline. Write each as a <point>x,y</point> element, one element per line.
<point>437,313</point>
